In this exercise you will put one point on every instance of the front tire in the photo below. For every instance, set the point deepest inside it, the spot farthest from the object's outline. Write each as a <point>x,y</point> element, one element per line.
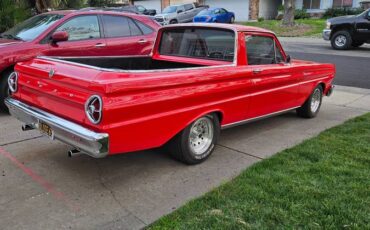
<point>173,21</point>
<point>196,142</point>
<point>4,89</point>
<point>341,40</point>
<point>232,20</point>
<point>312,106</point>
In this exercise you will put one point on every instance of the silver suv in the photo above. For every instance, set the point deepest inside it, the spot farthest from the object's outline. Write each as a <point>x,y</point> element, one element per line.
<point>178,14</point>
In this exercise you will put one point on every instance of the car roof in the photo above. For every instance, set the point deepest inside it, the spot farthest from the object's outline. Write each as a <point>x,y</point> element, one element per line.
<point>235,27</point>
<point>98,11</point>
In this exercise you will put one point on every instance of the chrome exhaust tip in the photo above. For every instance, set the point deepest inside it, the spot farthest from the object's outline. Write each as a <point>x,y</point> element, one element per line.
<point>74,152</point>
<point>27,127</point>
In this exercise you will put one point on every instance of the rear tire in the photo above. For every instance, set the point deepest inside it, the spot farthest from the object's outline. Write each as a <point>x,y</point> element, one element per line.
<point>341,40</point>
<point>4,89</point>
<point>196,143</point>
<point>232,20</point>
<point>312,106</point>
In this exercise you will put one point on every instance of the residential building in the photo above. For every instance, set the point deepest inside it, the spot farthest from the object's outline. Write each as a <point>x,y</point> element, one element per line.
<point>253,9</point>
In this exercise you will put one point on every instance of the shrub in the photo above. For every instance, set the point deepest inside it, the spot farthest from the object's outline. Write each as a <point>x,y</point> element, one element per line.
<point>11,14</point>
<point>301,14</point>
<point>261,19</point>
<point>336,12</point>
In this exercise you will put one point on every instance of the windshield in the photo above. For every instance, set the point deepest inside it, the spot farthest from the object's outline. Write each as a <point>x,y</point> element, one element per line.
<point>205,12</point>
<point>170,9</point>
<point>363,14</point>
<point>31,28</point>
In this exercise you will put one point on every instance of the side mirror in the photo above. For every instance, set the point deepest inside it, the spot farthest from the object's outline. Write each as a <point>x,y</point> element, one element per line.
<point>59,36</point>
<point>288,59</point>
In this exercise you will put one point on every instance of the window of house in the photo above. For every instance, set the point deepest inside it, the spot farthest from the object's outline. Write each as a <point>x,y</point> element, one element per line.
<point>311,4</point>
<point>81,28</point>
<point>342,3</point>
<point>261,50</point>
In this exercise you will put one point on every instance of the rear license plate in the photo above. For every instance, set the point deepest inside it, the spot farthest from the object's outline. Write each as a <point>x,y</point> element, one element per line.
<point>45,129</point>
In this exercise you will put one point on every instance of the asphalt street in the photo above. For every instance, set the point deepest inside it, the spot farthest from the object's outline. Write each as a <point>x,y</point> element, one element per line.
<point>352,65</point>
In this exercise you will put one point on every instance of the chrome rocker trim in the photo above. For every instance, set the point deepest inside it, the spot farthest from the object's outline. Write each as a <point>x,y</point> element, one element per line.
<point>91,143</point>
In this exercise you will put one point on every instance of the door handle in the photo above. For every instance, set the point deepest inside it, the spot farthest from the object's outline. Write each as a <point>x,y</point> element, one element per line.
<point>99,45</point>
<point>257,71</point>
<point>142,41</point>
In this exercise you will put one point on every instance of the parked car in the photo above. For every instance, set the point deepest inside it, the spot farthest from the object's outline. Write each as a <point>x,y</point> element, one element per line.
<point>348,31</point>
<point>74,33</point>
<point>137,9</point>
<point>215,15</point>
<point>178,14</point>
<point>198,80</point>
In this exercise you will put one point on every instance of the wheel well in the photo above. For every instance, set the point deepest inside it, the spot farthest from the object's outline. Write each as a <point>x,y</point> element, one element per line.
<point>323,86</point>
<point>341,27</point>
<point>10,68</point>
<point>219,115</point>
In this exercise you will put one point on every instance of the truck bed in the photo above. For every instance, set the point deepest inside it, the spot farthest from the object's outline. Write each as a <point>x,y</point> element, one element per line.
<point>128,63</point>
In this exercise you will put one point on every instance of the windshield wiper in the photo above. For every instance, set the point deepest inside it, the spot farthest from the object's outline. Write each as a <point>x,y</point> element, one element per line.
<point>10,36</point>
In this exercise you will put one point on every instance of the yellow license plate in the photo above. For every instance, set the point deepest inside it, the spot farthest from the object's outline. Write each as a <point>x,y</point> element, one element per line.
<point>45,129</point>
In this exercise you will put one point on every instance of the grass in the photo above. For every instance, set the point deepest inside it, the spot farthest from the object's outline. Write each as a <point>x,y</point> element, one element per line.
<point>303,27</point>
<point>322,183</point>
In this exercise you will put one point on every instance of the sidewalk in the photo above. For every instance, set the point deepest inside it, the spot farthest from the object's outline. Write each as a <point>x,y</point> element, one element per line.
<point>133,190</point>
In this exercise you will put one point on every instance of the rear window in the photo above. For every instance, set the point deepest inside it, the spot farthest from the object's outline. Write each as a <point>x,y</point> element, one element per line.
<point>199,43</point>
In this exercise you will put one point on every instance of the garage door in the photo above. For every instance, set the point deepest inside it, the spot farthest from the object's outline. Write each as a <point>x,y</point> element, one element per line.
<point>239,7</point>
<point>150,4</point>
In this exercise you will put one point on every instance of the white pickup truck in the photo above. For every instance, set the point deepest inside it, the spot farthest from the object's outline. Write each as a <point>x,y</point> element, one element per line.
<point>178,14</point>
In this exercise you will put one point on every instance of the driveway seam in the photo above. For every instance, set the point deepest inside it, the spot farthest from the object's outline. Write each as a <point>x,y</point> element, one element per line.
<point>244,153</point>
<point>113,194</point>
<point>20,141</point>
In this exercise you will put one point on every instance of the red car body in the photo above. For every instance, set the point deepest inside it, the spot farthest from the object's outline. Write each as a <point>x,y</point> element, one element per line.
<point>144,109</point>
<point>14,51</point>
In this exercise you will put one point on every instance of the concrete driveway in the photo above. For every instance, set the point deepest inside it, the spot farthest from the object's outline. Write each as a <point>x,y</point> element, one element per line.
<point>43,189</point>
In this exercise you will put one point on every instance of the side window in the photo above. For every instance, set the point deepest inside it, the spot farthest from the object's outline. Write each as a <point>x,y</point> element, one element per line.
<point>135,31</point>
<point>146,29</point>
<point>81,28</point>
<point>116,26</point>
<point>260,50</point>
<point>188,7</point>
<point>181,9</point>
<point>279,55</point>
<point>223,11</point>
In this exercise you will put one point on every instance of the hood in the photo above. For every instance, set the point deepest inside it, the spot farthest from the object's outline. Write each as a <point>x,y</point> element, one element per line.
<point>348,18</point>
<point>8,42</point>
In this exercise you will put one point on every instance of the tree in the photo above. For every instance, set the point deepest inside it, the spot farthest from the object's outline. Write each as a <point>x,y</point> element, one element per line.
<point>289,8</point>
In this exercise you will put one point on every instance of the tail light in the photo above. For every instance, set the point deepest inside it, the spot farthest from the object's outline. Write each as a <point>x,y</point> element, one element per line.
<point>13,82</point>
<point>94,108</point>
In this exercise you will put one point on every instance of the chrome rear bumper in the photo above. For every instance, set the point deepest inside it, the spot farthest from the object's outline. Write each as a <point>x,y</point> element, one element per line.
<point>89,142</point>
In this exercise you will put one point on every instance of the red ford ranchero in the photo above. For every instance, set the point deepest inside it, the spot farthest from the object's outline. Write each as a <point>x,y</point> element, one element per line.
<point>199,79</point>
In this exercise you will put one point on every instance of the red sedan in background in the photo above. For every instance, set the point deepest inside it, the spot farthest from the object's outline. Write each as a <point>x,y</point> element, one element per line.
<point>71,34</point>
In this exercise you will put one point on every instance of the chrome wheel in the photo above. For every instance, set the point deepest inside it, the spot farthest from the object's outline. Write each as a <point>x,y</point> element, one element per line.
<point>315,100</point>
<point>201,135</point>
<point>340,40</point>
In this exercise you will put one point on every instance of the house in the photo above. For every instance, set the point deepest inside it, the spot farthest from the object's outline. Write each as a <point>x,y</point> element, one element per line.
<point>253,9</point>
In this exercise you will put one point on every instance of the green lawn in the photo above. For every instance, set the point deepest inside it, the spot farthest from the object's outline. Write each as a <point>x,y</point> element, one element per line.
<point>304,27</point>
<point>322,183</point>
